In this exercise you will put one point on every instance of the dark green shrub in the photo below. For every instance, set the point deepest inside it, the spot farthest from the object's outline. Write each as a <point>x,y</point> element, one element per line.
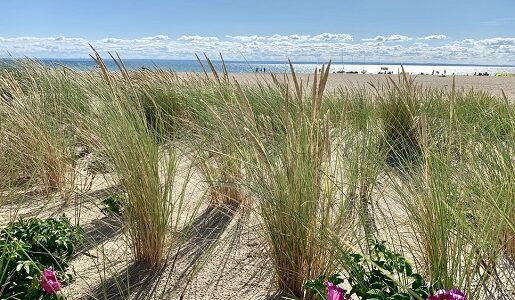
<point>30,245</point>
<point>384,275</point>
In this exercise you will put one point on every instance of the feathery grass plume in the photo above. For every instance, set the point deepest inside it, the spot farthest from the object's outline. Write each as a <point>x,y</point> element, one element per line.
<point>292,184</point>
<point>145,165</point>
<point>38,128</point>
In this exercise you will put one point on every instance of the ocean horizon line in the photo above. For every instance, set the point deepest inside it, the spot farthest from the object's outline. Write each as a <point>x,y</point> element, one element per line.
<point>333,62</point>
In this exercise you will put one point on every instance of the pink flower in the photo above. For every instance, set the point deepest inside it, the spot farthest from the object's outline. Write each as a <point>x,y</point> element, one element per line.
<point>453,294</point>
<point>49,281</point>
<point>334,292</point>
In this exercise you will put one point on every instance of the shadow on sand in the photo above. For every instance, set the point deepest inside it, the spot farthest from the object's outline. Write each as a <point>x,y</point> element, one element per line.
<point>128,280</point>
<point>202,234</point>
<point>98,232</point>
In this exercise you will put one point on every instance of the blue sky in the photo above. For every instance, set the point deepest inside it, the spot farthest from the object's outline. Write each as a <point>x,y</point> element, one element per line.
<point>388,30</point>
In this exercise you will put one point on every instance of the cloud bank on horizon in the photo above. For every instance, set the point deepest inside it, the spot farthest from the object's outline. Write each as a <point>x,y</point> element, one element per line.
<point>319,47</point>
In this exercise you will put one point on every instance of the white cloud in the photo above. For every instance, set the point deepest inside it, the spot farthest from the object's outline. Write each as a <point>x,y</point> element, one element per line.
<point>271,47</point>
<point>112,40</point>
<point>468,42</point>
<point>377,39</point>
<point>293,37</point>
<point>498,41</point>
<point>339,37</point>
<point>390,38</point>
<point>491,42</point>
<point>398,38</point>
<point>247,38</point>
<point>197,38</point>
<point>296,37</point>
<point>434,37</point>
<point>322,37</point>
<point>157,38</point>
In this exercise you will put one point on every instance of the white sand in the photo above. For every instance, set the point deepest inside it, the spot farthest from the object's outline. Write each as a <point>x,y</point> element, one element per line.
<point>490,84</point>
<point>238,266</point>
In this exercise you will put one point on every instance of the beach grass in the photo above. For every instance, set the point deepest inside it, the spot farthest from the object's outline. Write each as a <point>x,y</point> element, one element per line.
<point>322,172</point>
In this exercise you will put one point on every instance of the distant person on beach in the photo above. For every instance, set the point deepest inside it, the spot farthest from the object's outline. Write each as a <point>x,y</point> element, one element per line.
<point>433,72</point>
<point>257,69</point>
<point>264,70</point>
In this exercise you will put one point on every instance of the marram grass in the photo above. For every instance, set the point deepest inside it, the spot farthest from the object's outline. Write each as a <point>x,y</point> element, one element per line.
<point>428,170</point>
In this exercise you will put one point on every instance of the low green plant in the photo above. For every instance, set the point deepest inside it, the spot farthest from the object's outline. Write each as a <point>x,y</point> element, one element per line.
<point>318,288</point>
<point>30,245</point>
<point>383,275</point>
<point>113,204</point>
<point>19,276</point>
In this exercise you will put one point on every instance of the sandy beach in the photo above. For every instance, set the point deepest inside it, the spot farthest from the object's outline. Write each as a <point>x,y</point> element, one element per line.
<point>491,84</point>
<point>224,253</point>
<point>265,150</point>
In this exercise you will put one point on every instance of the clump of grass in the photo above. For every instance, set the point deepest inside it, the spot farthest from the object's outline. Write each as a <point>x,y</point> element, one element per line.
<point>452,202</point>
<point>157,93</point>
<point>399,112</point>
<point>294,189</point>
<point>34,133</point>
<point>145,165</point>
<point>215,136</point>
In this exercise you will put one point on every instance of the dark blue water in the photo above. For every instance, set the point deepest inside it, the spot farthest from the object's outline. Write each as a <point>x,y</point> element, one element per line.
<point>280,67</point>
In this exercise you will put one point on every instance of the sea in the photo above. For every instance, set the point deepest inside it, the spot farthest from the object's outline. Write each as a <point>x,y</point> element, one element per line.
<point>282,67</point>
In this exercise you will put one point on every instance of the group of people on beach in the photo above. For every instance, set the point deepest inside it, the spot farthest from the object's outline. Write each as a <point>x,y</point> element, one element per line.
<point>258,70</point>
<point>385,72</point>
<point>438,73</point>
